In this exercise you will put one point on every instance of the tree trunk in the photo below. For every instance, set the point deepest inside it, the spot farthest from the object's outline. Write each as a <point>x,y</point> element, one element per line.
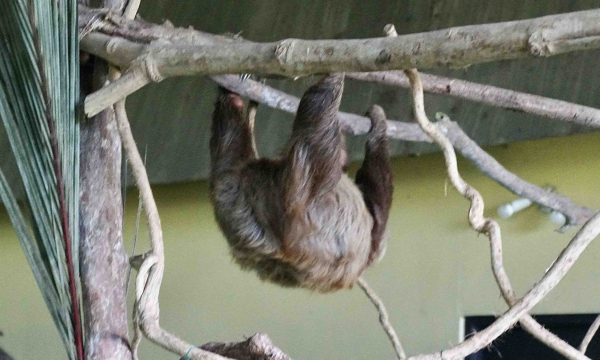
<point>104,263</point>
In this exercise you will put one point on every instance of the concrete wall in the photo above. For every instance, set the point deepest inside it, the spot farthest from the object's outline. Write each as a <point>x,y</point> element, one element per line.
<point>435,272</point>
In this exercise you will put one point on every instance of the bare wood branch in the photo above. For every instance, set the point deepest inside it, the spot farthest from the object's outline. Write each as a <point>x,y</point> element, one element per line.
<point>589,335</point>
<point>131,9</point>
<point>453,47</point>
<point>103,259</point>
<point>383,318</point>
<point>491,95</point>
<point>489,227</point>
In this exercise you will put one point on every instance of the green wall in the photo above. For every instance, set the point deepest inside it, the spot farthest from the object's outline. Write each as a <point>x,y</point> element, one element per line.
<point>435,271</point>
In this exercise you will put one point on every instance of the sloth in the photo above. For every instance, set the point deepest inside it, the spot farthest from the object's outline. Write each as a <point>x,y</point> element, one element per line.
<point>299,221</point>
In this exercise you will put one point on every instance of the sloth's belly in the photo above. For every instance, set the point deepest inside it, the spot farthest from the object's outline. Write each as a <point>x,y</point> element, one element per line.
<point>326,253</point>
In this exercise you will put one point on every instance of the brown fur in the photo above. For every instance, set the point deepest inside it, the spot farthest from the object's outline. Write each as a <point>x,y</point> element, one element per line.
<point>299,220</point>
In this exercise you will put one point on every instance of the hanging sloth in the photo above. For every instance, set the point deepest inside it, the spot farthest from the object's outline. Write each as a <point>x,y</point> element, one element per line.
<point>299,220</point>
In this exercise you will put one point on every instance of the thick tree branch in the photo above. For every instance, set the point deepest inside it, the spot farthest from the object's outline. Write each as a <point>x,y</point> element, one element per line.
<point>491,95</point>
<point>142,32</point>
<point>453,47</point>
<point>102,256</point>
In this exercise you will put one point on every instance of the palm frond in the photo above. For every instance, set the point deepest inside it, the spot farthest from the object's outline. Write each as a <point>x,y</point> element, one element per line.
<point>39,87</point>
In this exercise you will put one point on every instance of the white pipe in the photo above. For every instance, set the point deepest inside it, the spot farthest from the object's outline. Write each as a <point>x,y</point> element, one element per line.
<point>507,210</point>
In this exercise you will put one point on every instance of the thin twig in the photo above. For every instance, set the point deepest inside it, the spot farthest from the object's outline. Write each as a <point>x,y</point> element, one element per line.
<point>384,319</point>
<point>114,74</point>
<point>489,227</point>
<point>589,335</point>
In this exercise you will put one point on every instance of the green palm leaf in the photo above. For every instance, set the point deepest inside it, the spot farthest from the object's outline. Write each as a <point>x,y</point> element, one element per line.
<point>39,87</point>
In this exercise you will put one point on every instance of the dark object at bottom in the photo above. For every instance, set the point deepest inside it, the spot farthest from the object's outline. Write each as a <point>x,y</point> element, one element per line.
<point>4,355</point>
<point>517,344</point>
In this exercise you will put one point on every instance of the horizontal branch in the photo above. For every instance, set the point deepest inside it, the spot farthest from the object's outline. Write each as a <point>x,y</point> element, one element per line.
<point>356,125</point>
<point>153,60</point>
<point>491,95</point>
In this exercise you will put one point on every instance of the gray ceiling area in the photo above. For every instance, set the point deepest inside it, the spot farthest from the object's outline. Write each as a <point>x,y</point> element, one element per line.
<point>171,120</point>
